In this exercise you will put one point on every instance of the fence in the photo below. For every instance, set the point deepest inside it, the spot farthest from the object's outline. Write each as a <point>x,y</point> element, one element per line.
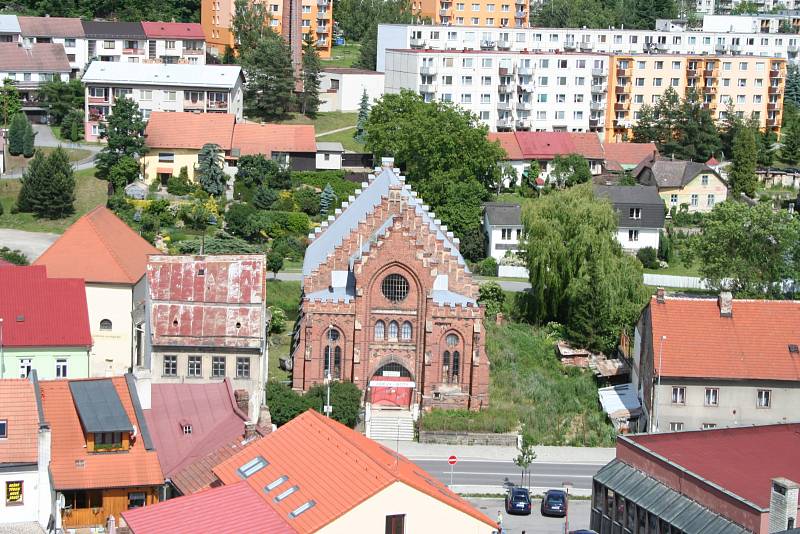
<point>512,271</point>
<point>669,280</point>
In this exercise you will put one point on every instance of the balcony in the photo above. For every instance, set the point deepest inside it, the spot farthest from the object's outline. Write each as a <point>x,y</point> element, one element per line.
<point>773,106</point>
<point>193,104</point>
<point>735,49</point>
<point>620,106</point>
<point>428,88</point>
<point>520,3</point>
<point>218,104</point>
<point>323,3</point>
<point>793,49</point>
<point>98,99</point>
<point>322,14</point>
<point>322,43</point>
<point>623,72</point>
<point>776,73</point>
<point>600,73</point>
<point>569,46</point>
<point>527,87</point>
<point>721,48</point>
<point>691,73</point>
<point>427,70</point>
<point>622,124</point>
<point>524,106</point>
<point>597,89</point>
<point>503,45</point>
<point>586,47</point>
<point>709,89</point>
<point>503,71</point>
<point>710,73</point>
<point>488,45</point>
<point>774,90</point>
<point>416,42</point>
<point>519,15</point>
<point>523,124</point>
<point>525,71</point>
<point>133,51</point>
<point>620,89</point>
<point>322,29</point>
<point>710,106</point>
<point>597,106</point>
<point>504,106</point>
<point>505,89</point>
<point>444,12</point>
<point>594,123</point>
<point>193,52</point>
<point>772,123</point>
<point>505,124</point>
<point>662,47</point>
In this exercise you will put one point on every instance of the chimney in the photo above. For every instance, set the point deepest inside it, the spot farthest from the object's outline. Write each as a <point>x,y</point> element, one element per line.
<point>250,431</point>
<point>660,295</point>
<point>783,505</point>
<point>242,400</point>
<point>725,302</point>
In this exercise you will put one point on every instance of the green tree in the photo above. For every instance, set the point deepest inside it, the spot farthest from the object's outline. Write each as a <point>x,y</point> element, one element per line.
<point>491,295</point>
<point>250,24</point>
<point>766,147</point>
<point>309,98</point>
<point>363,116</point>
<point>307,200</point>
<point>525,457</point>
<point>16,134</point>
<point>746,7</point>
<point>48,186</point>
<point>269,94</point>
<point>60,97</point>
<point>792,90</point>
<point>345,400</point>
<point>28,145</point>
<point>579,275</point>
<point>748,250</point>
<point>277,322</point>
<point>10,101</point>
<point>274,262</point>
<point>124,135</point>
<point>255,169</point>
<point>15,256</point>
<point>209,169</point>
<point>72,125</point>
<point>696,134</point>
<point>284,403</point>
<point>648,256</point>
<point>264,197</point>
<point>180,185</point>
<point>570,170</point>
<point>124,171</point>
<point>742,176</point>
<point>387,11</point>
<point>790,149</point>
<point>327,200</point>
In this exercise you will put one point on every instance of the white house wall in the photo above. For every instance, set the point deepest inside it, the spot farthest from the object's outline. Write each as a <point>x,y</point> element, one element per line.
<point>111,349</point>
<point>648,237</point>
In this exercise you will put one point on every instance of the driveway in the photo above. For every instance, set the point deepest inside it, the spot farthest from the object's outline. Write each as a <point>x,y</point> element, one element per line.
<point>32,244</point>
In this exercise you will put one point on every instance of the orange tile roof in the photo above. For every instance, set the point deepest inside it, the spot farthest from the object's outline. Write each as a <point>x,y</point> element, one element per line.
<point>508,141</point>
<point>18,407</point>
<point>752,344</point>
<point>629,153</point>
<point>189,130</point>
<point>98,247</point>
<point>137,467</point>
<point>252,138</point>
<point>304,447</point>
<point>587,144</point>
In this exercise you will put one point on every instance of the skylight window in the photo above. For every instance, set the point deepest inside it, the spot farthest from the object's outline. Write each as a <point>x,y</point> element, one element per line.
<point>275,483</point>
<point>252,467</point>
<point>286,493</point>
<point>302,508</point>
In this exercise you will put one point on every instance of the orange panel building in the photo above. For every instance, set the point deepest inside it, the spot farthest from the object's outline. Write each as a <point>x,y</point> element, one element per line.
<point>483,13</point>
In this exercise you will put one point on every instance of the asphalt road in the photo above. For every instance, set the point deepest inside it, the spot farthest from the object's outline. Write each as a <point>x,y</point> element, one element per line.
<point>579,510</point>
<point>500,472</point>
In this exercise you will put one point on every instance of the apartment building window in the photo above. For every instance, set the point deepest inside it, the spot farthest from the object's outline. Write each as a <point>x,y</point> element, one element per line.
<point>466,80</point>
<point>459,7</point>
<point>726,82</point>
<point>447,62</point>
<point>709,426</point>
<point>447,97</point>
<point>543,81</point>
<point>676,64</point>
<point>712,397</point>
<point>243,367</point>
<point>742,66</point>
<point>476,7</point>
<point>559,115</point>
<point>490,8</point>
<point>541,98</point>
<point>659,65</point>
<point>306,9</point>
<point>195,366</point>
<point>759,82</point>
<point>561,64</point>
<point>764,399</point>
<point>171,96</point>
<point>639,65</point>
<point>560,99</point>
<point>466,62</point>
<point>579,80</point>
<point>486,98</point>
<point>447,80</point>
<point>635,213</point>
<point>145,94</point>
<point>69,43</point>
<point>674,82</point>
<point>169,45</point>
<point>678,395</point>
<point>741,82</point>
<point>218,366</point>
<point>544,63</point>
<point>541,115</point>
<point>710,201</point>
<point>504,8</point>
<point>452,36</point>
<point>561,80</point>
<point>108,45</point>
<point>486,63</point>
<point>170,366</point>
<point>675,427</point>
<point>633,235</point>
<point>578,98</point>
<point>466,98</point>
<point>474,21</point>
<point>577,115</point>
<point>484,115</point>
<point>639,82</point>
<point>694,200</point>
<point>490,22</point>
<point>657,82</point>
<point>726,65</point>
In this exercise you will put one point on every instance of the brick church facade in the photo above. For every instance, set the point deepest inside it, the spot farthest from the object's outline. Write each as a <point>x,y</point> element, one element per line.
<point>389,304</point>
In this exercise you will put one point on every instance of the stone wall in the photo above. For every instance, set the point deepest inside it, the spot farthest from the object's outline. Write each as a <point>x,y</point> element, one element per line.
<point>508,439</point>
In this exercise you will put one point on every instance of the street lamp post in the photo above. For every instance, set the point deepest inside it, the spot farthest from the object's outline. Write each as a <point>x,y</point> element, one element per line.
<point>658,384</point>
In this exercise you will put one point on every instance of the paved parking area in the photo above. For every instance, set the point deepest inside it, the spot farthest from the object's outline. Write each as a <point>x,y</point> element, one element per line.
<point>32,244</point>
<point>535,523</point>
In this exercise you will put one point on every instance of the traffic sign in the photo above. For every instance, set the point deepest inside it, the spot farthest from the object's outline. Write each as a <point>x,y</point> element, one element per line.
<point>452,460</point>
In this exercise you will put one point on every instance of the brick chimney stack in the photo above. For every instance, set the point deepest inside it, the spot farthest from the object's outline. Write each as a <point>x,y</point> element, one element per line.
<point>725,302</point>
<point>783,504</point>
<point>250,431</point>
<point>660,295</point>
<point>242,400</point>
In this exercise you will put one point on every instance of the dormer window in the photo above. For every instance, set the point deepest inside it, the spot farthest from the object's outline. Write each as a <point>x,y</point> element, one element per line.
<point>187,429</point>
<point>636,213</point>
<point>105,422</point>
<point>107,441</point>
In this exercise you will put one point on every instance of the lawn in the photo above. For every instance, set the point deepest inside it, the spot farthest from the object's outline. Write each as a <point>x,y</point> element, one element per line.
<point>342,56</point>
<point>677,268</point>
<point>15,163</point>
<point>285,295</point>
<point>89,193</point>
<point>346,138</point>
<point>325,122</point>
<point>528,386</point>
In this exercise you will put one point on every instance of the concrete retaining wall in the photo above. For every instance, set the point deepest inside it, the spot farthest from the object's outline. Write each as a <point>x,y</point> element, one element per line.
<point>468,438</point>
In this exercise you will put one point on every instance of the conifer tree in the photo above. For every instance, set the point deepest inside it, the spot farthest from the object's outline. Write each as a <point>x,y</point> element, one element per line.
<point>363,116</point>
<point>270,84</point>
<point>327,200</point>
<point>48,186</point>
<point>790,151</point>
<point>124,135</point>
<point>27,141</point>
<point>16,134</point>
<point>743,172</point>
<point>309,99</point>
<point>264,197</point>
<point>209,169</point>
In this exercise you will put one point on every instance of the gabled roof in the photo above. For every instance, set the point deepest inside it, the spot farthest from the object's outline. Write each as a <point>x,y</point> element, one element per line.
<point>673,173</point>
<point>725,456</point>
<point>252,138</point>
<point>39,57</point>
<point>38,311</point>
<point>98,247</point>
<point>189,130</point>
<point>547,145</point>
<point>199,475</point>
<point>226,510</point>
<point>209,409</point>
<point>305,447</point>
<point>207,301</point>
<point>588,145</point>
<point>173,30</point>
<point>50,27</point>
<point>644,197</point>
<point>98,29</point>
<point>752,344</point>
<point>72,467</point>
<point>18,408</point>
<point>163,75</point>
<point>508,142</point>
<point>503,213</point>
<point>99,406</point>
<point>628,155</point>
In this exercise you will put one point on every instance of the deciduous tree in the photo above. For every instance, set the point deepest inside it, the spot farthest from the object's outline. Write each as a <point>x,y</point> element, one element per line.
<point>60,97</point>
<point>570,170</point>
<point>250,24</point>
<point>124,135</point>
<point>274,262</point>
<point>10,101</point>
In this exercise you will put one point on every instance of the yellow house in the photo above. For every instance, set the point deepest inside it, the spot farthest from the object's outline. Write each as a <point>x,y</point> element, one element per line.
<point>679,183</point>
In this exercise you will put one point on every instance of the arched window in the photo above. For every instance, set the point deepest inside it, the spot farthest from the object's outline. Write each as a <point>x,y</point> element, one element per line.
<point>456,367</point>
<point>451,340</point>
<point>333,343</point>
<point>393,330</point>
<point>380,328</point>
<point>446,366</point>
<point>105,324</point>
<point>452,359</point>
<point>405,332</point>
<point>337,362</point>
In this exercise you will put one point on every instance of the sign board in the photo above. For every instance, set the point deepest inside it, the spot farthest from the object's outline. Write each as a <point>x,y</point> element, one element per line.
<point>327,409</point>
<point>452,460</point>
<point>391,384</point>
<point>14,492</point>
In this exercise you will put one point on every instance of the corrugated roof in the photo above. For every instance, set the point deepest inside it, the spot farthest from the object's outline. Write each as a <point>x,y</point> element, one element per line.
<point>173,30</point>
<point>9,24</point>
<point>547,145</point>
<point>72,466</point>
<point>233,509</point>
<point>503,213</point>
<point>99,29</point>
<point>166,75</point>
<point>50,27</point>
<point>38,311</point>
<point>189,130</point>
<point>752,344</point>
<point>207,301</point>
<point>305,446</point>
<point>98,247</point>
<point>39,57</point>
<point>99,407</point>
<point>710,454</point>
<point>18,409</point>
<point>253,138</point>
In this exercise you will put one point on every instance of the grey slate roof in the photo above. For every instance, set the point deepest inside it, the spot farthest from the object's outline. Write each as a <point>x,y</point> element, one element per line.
<point>96,29</point>
<point>503,214</point>
<point>99,406</point>
<point>338,230</point>
<point>329,147</point>
<point>672,173</point>
<point>644,197</point>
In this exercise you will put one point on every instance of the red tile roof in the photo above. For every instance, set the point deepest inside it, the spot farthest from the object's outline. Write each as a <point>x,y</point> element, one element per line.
<point>230,509</point>
<point>18,408</point>
<point>211,411</point>
<point>547,145</point>
<point>50,27</point>
<point>628,153</point>
<point>304,447</point>
<point>252,138</point>
<point>40,57</point>
<point>223,307</point>
<point>199,475</point>
<point>753,344</point>
<point>739,460</point>
<point>587,144</point>
<point>38,311</point>
<point>712,161</point>
<point>72,466</point>
<point>189,130</point>
<point>173,30</point>
<point>98,247</point>
<point>508,142</point>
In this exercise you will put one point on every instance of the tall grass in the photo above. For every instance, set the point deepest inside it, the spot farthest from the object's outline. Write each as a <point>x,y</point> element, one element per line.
<point>285,294</point>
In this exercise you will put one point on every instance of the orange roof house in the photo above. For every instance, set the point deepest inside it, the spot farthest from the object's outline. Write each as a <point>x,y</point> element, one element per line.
<point>267,139</point>
<point>102,455</point>
<point>189,130</point>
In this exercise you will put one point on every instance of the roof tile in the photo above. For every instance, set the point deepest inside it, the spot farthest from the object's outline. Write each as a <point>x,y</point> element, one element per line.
<point>189,130</point>
<point>173,30</point>
<point>251,138</point>
<point>40,57</point>
<point>50,27</point>
<point>18,409</point>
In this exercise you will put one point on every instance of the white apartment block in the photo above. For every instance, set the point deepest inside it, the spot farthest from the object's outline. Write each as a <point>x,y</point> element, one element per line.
<point>616,41</point>
<point>161,87</point>
<point>67,32</point>
<point>509,90</point>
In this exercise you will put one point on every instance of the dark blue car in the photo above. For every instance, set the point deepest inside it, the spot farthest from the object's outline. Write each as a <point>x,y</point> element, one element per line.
<point>518,502</point>
<point>554,503</point>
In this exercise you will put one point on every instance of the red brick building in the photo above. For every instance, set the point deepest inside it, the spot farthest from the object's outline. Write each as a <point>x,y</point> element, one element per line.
<point>389,304</point>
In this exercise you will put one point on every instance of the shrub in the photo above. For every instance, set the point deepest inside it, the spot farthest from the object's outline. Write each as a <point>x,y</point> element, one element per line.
<point>284,202</point>
<point>290,247</point>
<point>345,400</point>
<point>180,185</point>
<point>486,267</point>
<point>492,297</point>
<point>665,252</point>
<point>649,257</point>
<point>284,403</point>
<point>17,257</point>
<point>277,324</point>
<point>307,200</point>
<point>72,125</point>
<point>162,210</point>
<point>16,134</point>
<point>264,197</point>
<point>221,243</point>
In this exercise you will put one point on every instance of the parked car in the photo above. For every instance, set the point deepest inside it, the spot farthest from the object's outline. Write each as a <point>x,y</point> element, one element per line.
<point>554,503</point>
<point>518,501</point>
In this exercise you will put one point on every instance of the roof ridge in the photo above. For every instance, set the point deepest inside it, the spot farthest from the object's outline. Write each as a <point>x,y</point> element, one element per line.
<point>106,244</point>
